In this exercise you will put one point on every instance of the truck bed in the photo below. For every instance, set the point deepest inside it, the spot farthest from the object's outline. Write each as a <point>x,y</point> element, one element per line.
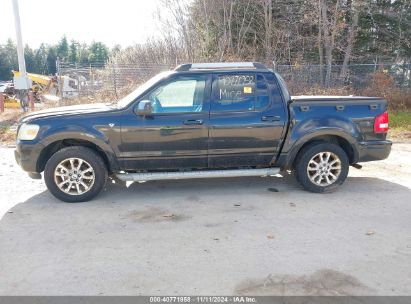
<point>354,114</point>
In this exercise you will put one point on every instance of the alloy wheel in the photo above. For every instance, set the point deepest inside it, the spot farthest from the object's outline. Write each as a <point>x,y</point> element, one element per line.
<point>324,169</point>
<point>74,176</point>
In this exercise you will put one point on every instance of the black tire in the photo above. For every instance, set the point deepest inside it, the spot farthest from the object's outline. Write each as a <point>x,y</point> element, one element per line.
<point>91,158</point>
<point>307,153</point>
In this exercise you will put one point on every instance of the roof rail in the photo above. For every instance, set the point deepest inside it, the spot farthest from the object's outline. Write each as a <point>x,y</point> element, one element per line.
<point>220,66</point>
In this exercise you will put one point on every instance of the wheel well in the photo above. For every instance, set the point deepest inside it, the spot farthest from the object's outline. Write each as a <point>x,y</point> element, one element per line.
<point>340,141</point>
<point>58,145</point>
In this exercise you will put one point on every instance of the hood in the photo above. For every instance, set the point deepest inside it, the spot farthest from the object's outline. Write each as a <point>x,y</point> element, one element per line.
<point>69,110</point>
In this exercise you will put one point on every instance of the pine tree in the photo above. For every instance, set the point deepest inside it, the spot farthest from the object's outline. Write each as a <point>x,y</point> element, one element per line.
<point>63,49</point>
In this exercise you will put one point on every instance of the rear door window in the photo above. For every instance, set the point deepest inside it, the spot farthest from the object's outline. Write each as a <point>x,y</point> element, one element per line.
<point>234,92</point>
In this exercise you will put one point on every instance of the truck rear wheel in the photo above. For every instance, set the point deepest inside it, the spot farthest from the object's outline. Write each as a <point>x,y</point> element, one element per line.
<point>321,167</point>
<point>75,174</point>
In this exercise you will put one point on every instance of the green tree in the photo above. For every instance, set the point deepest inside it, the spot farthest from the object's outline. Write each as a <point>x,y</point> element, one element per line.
<point>51,61</point>
<point>98,53</point>
<point>40,56</point>
<point>83,54</point>
<point>8,60</point>
<point>63,49</point>
<point>73,52</point>
<point>11,55</point>
<point>5,73</point>
<point>31,64</point>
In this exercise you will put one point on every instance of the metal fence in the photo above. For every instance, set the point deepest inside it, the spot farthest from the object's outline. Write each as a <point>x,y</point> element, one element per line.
<point>358,76</point>
<point>90,79</point>
<point>85,80</point>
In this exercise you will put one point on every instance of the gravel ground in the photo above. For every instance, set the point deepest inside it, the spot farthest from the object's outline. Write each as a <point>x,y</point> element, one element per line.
<point>210,237</point>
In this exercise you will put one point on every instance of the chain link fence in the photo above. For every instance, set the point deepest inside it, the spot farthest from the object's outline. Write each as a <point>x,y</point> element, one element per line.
<point>358,76</point>
<point>119,79</point>
<point>114,79</point>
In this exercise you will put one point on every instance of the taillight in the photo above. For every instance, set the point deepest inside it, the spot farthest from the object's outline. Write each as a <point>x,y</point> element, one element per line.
<point>381,123</point>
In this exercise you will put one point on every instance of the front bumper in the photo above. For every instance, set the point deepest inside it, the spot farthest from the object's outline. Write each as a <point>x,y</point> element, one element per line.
<point>374,150</point>
<point>27,154</point>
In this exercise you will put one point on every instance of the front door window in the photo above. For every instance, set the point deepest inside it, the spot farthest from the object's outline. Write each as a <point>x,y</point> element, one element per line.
<point>181,95</point>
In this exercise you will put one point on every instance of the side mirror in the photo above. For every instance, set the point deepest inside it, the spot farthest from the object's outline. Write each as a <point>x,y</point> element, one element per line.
<point>144,108</point>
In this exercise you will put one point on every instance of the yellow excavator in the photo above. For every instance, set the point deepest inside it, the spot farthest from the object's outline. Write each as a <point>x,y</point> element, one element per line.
<point>41,84</point>
<point>45,88</point>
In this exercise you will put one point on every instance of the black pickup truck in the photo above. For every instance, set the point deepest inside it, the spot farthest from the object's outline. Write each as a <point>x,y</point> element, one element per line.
<point>202,121</point>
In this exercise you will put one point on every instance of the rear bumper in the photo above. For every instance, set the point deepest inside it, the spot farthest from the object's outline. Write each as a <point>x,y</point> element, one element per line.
<point>26,154</point>
<point>373,150</point>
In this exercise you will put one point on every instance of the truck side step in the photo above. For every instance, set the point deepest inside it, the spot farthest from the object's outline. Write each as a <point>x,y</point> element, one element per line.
<point>139,177</point>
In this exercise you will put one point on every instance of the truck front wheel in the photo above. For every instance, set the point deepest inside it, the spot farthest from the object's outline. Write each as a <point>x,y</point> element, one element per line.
<point>321,167</point>
<point>75,174</point>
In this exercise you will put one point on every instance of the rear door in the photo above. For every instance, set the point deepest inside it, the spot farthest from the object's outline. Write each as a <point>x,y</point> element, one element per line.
<point>247,119</point>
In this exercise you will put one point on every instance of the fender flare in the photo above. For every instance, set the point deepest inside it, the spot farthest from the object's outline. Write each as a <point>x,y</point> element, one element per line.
<point>323,132</point>
<point>95,138</point>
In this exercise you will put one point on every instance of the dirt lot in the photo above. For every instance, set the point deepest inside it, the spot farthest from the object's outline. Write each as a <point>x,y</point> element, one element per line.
<point>203,237</point>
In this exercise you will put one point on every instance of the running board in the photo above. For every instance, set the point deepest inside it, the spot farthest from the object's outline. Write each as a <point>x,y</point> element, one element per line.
<point>139,177</point>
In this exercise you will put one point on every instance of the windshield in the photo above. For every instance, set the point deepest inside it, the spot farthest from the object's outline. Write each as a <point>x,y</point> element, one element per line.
<point>125,101</point>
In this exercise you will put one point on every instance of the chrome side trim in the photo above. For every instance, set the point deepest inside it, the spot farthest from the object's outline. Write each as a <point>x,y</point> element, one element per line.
<point>137,177</point>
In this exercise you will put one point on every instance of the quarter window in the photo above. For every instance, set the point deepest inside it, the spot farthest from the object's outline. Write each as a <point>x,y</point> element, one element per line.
<point>263,98</point>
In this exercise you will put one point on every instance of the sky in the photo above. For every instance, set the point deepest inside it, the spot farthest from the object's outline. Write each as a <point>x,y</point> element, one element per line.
<point>123,22</point>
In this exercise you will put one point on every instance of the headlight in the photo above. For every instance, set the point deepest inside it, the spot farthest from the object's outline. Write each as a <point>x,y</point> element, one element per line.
<point>28,132</point>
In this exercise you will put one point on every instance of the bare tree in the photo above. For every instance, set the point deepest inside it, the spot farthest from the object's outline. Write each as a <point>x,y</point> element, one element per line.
<point>179,10</point>
<point>330,30</point>
<point>268,27</point>
<point>352,33</point>
<point>320,42</point>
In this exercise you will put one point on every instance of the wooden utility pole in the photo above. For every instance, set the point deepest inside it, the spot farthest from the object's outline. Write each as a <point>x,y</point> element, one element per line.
<point>1,103</point>
<point>31,100</point>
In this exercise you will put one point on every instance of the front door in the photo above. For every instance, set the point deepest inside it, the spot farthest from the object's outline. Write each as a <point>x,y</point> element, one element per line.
<point>175,135</point>
<point>247,120</point>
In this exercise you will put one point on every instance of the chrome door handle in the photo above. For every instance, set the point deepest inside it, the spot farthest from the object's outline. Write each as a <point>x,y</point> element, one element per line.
<point>270,118</point>
<point>193,122</point>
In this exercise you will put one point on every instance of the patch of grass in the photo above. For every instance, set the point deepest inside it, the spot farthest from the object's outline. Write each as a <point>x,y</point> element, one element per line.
<point>7,136</point>
<point>8,121</point>
<point>400,120</point>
